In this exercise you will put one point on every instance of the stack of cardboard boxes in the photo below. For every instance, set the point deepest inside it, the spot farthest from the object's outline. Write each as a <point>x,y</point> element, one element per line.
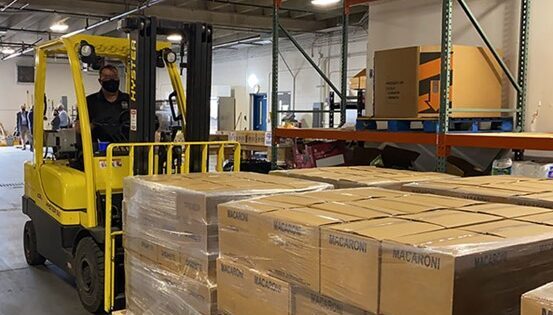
<point>362,176</point>
<point>171,240</point>
<point>376,251</point>
<point>538,301</point>
<point>505,189</point>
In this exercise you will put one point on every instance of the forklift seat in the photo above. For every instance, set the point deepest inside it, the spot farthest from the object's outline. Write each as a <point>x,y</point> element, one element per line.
<point>64,186</point>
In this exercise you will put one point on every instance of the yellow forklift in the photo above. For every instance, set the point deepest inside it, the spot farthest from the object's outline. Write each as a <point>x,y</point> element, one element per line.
<point>76,212</point>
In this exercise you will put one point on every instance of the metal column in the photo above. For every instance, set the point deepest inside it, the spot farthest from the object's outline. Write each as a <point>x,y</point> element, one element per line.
<point>198,87</point>
<point>143,86</point>
<point>274,91</point>
<point>345,30</point>
<point>445,83</point>
<point>523,64</point>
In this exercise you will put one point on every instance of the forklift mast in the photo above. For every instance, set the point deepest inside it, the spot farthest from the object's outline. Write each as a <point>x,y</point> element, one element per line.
<point>196,59</point>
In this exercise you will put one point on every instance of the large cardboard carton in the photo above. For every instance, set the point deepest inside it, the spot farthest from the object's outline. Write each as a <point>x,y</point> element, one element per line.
<point>350,258</point>
<point>407,82</point>
<point>481,269</point>
<point>452,218</point>
<point>506,211</point>
<point>243,290</point>
<point>361,176</point>
<point>306,302</point>
<point>538,301</point>
<point>153,290</point>
<point>292,243</point>
<point>500,189</point>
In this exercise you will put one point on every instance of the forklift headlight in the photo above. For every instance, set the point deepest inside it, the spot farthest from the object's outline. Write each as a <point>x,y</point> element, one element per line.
<point>170,57</point>
<point>86,50</point>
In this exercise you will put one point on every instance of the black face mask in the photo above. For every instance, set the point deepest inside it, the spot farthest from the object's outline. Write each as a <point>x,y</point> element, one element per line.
<point>111,86</point>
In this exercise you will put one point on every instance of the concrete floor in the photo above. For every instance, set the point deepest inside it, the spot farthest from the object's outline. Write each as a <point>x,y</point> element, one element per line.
<point>26,290</point>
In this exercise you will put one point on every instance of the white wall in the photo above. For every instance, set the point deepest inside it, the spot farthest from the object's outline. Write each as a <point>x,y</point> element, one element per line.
<point>58,83</point>
<point>234,67</point>
<point>540,83</point>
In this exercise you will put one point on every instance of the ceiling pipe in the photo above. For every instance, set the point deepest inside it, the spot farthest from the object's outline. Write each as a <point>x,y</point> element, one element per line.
<point>95,25</point>
<point>8,5</point>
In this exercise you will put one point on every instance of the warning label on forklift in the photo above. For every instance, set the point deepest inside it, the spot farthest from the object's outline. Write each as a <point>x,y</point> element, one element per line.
<point>133,119</point>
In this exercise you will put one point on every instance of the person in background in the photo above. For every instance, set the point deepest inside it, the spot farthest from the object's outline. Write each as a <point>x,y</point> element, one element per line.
<point>31,124</point>
<point>64,117</point>
<point>56,121</point>
<point>23,126</point>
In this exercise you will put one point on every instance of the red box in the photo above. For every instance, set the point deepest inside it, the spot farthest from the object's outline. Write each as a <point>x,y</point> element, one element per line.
<point>319,154</point>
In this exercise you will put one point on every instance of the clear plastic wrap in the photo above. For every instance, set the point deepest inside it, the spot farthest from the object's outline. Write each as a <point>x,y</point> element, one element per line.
<point>503,189</point>
<point>393,253</point>
<point>157,291</point>
<point>362,176</point>
<point>171,228</point>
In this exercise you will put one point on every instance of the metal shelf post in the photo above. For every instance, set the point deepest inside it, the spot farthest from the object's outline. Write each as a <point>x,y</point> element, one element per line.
<point>274,91</point>
<point>445,82</point>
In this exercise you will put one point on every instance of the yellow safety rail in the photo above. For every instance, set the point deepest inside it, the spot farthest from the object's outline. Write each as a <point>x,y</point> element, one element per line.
<point>110,235</point>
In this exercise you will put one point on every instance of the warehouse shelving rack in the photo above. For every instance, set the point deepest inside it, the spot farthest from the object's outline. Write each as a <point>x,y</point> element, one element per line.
<point>443,140</point>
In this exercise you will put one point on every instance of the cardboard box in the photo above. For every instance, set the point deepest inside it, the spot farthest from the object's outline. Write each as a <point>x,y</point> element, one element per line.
<point>195,197</point>
<point>359,81</point>
<point>407,82</point>
<point>538,301</point>
<point>319,154</point>
<point>305,302</point>
<point>362,176</point>
<point>506,211</point>
<point>452,218</point>
<point>479,270</point>
<point>292,243</point>
<point>243,290</point>
<point>150,289</point>
<point>350,258</point>
<point>523,191</point>
<point>195,265</point>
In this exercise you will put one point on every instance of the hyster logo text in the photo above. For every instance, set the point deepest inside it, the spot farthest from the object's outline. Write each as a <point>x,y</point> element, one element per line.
<point>233,271</point>
<point>417,259</point>
<point>237,215</point>
<point>288,228</point>
<point>268,284</point>
<point>327,303</point>
<point>133,71</point>
<point>345,242</point>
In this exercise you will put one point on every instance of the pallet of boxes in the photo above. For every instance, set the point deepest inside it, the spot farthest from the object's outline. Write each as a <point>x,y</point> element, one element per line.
<point>171,239</point>
<point>377,251</point>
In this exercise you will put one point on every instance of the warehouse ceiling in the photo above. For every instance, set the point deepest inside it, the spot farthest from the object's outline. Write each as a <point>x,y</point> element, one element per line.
<point>24,23</point>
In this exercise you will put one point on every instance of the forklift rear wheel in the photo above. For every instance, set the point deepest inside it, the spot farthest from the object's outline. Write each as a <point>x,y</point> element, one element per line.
<point>29,244</point>
<point>89,272</point>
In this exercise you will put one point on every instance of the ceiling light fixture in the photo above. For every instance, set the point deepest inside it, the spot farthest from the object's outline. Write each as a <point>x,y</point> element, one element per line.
<point>324,2</point>
<point>59,27</point>
<point>7,50</point>
<point>177,38</point>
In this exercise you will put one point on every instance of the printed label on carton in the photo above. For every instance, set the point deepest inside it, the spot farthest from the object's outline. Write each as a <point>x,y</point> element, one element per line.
<point>421,259</point>
<point>348,243</point>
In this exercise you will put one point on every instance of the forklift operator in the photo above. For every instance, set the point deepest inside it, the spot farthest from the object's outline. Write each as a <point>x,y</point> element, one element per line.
<point>108,109</point>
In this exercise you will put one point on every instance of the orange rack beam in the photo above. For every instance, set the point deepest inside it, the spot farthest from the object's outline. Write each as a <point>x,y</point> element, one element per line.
<point>507,140</point>
<point>366,136</point>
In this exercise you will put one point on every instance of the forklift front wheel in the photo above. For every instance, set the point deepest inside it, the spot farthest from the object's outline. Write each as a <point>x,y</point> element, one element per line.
<point>89,272</point>
<point>29,244</point>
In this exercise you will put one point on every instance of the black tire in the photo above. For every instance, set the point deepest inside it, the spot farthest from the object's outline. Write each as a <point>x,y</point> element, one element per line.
<point>30,246</point>
<point>89,274</point>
